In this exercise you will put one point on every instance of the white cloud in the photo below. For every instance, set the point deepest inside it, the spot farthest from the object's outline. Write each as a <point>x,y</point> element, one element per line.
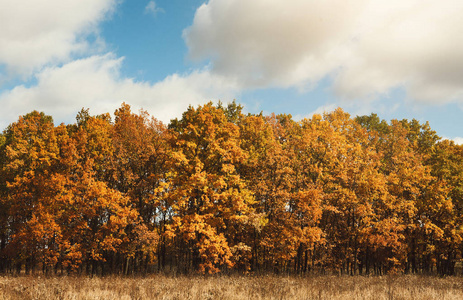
<point>152,8</point>
<point>367,47</point>
<point>38,33</point>
<point>95,82</point>
<point>412,44</point>
<point>457,140</point>
<point>319,110</point>
<point>272,42</point>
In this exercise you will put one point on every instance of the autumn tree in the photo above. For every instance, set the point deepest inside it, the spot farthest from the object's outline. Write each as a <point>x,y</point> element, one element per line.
<point>418,197</point>
<point>4,210</point>
<point>345,165</point>
<point>212,202</point>
<point>447,168</point>
<point>219,189</point>
<point>30,150</point>
<point>262,171</point>
<point>141,170</point>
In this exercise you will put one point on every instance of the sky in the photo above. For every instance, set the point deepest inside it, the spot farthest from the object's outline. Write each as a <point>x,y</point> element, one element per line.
<point>397,58</point>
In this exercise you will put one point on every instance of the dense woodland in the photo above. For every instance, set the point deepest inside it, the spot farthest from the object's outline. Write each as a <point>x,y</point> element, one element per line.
<point>221,191</point>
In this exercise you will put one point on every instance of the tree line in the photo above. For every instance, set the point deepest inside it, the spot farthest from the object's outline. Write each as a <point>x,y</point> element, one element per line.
<point>218,190</point>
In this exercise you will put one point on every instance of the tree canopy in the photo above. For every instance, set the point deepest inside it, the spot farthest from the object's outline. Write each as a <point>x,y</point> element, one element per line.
<point>219,190</point>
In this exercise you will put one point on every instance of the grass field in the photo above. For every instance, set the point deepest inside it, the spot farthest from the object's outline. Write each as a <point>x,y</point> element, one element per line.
<point>232,287</point>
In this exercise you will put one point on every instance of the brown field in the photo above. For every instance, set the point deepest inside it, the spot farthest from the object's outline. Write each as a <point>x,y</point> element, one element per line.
<point>232,287</point>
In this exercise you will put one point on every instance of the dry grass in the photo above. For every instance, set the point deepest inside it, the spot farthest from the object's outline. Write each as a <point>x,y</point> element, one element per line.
<point>233,287</point>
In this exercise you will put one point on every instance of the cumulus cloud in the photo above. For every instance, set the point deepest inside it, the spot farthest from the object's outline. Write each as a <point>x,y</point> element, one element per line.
<point>270,42</point>
<point>38,33</point>
<point>95,82</point>
<point>367,47</point>
<point>49,42</point>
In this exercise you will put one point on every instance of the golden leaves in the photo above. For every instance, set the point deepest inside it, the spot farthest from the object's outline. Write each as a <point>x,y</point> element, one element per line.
<point>218,189</point>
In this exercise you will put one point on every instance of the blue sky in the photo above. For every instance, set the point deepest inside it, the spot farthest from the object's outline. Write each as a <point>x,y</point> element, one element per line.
<point>399,58</point>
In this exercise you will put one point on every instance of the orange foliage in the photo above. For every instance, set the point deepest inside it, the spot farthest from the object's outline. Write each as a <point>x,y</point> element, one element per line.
<point>218,189</point>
